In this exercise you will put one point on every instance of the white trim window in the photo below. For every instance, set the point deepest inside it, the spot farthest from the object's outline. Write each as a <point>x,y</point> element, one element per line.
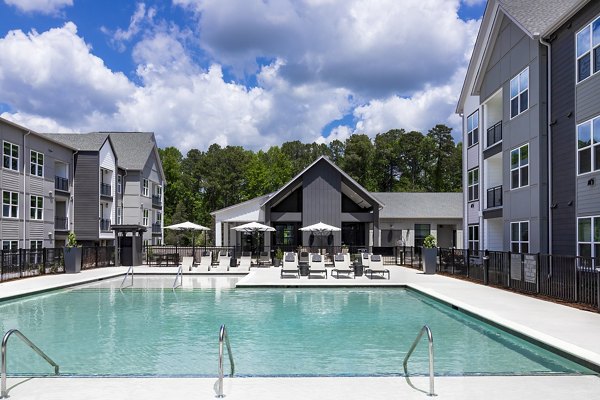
<point>119,215</point>
<point>36,166</point>
<point>159,192</point>
<point>588,146</point>
<point>119,183</point>
<point>159,218</point>
<point>36,208</point>
<point>10,204</point>
<point>145,216</point>
<point>588,237</point>
<point>473,237</point>
<point>519,93</point>
<point>36,244</point>
<point>587,53</point>
<point>10,156</point>
<point>473,184</point>
<point>519,237</point>
<point>145,185</point>
<point>473,129</point>
<point>10,245</point>
<point>519,167</point>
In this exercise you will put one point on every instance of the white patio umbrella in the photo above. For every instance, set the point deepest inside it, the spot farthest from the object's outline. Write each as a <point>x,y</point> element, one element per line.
<point>253,227</point>
<point>189,226</point>
<point>320,229</point>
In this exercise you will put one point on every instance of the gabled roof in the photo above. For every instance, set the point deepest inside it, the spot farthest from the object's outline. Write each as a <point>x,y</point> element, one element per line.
<point>80,141</point>
<point>293,181</point>
<point>537,18</point>
<point>252,204</point>
<point>412,205</point>
<point>32,132</point>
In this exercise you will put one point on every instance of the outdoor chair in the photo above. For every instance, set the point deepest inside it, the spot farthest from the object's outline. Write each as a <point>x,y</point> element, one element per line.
<point>290,265</point>
<point>365,258</point>
<point>263,259</point>
<point>186,263</point>
<point>376,267</point>
<point>304,257</point>
<point>317,265</point>
<point>224,261</point>
<point>205,261</point>
<point>245,262</point>
<point>341,265</point>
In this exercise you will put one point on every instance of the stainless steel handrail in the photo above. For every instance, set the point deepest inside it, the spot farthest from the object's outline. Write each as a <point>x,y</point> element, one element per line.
<point>223,337</point>
<point>179,275</point>
<point>412,348</point>
<point>125,278</point>
<point>3,391</point>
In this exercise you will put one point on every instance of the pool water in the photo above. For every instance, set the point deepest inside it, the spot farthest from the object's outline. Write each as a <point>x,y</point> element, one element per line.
<point>273,332</point>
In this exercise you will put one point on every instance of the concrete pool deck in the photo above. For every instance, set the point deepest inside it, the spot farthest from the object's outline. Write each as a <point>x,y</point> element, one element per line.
<point>573,331</point>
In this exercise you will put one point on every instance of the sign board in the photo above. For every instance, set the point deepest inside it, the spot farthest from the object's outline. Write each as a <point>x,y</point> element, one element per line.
<point>530,268</point>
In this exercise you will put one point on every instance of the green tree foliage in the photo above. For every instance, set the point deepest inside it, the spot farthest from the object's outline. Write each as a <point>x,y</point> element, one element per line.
<point>396,160</point>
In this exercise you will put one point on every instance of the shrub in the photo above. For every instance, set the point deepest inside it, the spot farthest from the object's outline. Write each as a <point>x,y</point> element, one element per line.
<point>429,242</point>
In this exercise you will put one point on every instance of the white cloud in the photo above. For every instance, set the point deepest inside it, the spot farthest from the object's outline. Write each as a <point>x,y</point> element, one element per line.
<point>474,2</point>
<point>140,17</point>
<point>41,6</point>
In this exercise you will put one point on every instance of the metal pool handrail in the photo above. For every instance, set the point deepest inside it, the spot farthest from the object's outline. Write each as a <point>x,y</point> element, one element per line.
<point>412,348</point>
<point>4,392</point>
<point>223,337</point>
<point>180,276</point>
<point>125,278</point>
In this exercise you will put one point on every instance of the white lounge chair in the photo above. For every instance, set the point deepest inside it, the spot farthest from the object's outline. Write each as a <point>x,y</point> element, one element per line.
<point>317,265</point>
<point>205,261</point>
<point>365,259</point>
<point>341,265</point>
<point>264,260</point>
<point>245,262</point>
<point>224,262</point>
<point>290,265</point>
<point>187,263</point>
<point>376,267</point>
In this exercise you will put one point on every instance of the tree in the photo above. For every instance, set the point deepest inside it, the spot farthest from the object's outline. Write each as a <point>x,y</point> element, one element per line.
<point>358,159</point>
<point>442,160</point>
<point>387,161</point>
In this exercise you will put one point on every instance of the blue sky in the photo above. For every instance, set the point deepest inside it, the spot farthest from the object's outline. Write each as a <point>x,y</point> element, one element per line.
<point>240,72</point>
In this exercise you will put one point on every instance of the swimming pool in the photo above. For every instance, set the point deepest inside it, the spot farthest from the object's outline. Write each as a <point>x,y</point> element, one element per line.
<point>95,330</point>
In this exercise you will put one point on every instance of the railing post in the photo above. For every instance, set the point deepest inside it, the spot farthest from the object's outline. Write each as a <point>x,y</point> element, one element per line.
<point>576,283</point>
<point>21,262</point>
<point>598,290</point>
<point>486,267</point>
<point>537,274</point>
<point>1,264</point>
<point>468,263</point>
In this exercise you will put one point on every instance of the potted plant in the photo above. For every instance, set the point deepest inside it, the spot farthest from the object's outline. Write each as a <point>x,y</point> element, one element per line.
<point>344,249</point>
<point>429,252</point>
<point>72,255</point>
<point>278,257</point>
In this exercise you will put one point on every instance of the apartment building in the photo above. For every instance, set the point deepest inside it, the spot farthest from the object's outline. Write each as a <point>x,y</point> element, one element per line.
<point>37,192</point>
<point>530,106</point>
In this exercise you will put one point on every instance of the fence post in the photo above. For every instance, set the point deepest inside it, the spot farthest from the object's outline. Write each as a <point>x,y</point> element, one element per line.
<point>44,259</point>
<point>96,257</point>
<point>576,283</point>
<point>2,264</point>
<point>21,262</point>
<point>452,260</point>
<point>468,262</point>
<point>598,290</point>
<point>486,266</point>
<point>537,274</point>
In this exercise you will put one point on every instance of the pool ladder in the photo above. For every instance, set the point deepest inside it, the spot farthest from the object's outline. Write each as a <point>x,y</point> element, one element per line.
<point>178,277</point>
<point>223,337</point>
<point>129,272</point>
<point>7,335</point>
<point>423,330</point>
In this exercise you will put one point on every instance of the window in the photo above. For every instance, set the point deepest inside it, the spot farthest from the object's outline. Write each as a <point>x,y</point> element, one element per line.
<point>473,128</point>
<point>158,217</point>
<point>10,204</point>
<point>588,237</point>
<point>588,50</point>
<point>10,245</point>
<point>159,192</point>
<point>145,187</point>
<point>519,167</point>
<point>119,183</point>
<point>421,232</point>
<point>473,184</point>
<point>145,216</point>
<point>158,241</point>
<point>588,146</point>
<point>36,244</point>
<point>37,164</point>
<point>36,209</point>
<point>119,215</point>
<point>519,93</point>
<point>11,156</point>
<point>519,237</point>
<point>474,237</point>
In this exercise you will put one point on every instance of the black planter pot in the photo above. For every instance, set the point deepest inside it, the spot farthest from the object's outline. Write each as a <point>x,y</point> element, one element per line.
<point>72,259</point>
<point>429,260</point>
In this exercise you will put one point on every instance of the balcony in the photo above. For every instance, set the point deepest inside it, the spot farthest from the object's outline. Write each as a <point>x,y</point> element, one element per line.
<point>494,197</point>
<point>61,223</point>
<point>105,190</point>
<point>494,134</point>
<point>156,201</point>
<point>105,226</point>
<point>61,183</point>
<point>156,228</point>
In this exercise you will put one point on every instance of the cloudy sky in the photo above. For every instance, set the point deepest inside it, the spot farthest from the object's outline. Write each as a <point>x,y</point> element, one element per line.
<point>241,72</point>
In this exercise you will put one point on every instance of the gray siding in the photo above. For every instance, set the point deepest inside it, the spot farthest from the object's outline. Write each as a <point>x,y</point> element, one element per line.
<point>131,198</point>
<point>564,161</point>
<point>322,198</point>
<point>588,195</point>
<point>87,184</point>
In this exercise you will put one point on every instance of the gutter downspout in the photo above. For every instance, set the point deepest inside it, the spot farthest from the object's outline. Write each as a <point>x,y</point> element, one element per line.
<point>72,221</point>
<point>549,138</point>
<point>25,190</point>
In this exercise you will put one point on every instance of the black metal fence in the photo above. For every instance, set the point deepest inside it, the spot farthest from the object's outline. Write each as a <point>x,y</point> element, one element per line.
<point>23,263</point>
<point>571,279</point>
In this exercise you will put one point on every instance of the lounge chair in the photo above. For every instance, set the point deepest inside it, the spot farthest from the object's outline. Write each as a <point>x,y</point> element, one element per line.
<point>317,265</point>
<point>376,267</point>
<point>205,261</point>
<point>304,257</point>
<point>341,265</point>
<point>186,263</point>
<point>290,265</point>
<point>245,262</point>
<point>224,261</point>
<point>264,260</point>
<point>365,259</point>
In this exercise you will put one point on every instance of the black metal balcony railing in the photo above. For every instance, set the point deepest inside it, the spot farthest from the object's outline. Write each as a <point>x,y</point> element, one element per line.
<point>105,225</point>
<point>61,183</point>
<point>156,228</point>
<point>156,201</point>
<point>494,197</point>
<point>105,189</point>
<point>494,134</point>
<point>61,223</point>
